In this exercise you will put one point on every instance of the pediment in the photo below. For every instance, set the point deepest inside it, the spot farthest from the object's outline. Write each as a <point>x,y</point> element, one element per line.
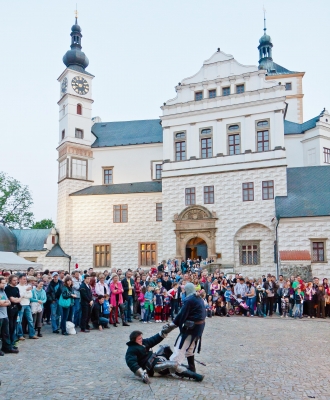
<point>193,213</point>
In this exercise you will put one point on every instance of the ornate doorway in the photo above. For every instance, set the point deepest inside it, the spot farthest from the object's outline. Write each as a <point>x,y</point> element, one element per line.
<point>196,248</point>
<point>195,224</point>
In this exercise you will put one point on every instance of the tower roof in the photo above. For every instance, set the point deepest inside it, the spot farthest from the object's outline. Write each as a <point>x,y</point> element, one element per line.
<point>75,57</point>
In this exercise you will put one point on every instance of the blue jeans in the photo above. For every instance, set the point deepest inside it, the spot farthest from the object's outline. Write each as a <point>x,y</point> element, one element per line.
<point>261,309</point>
<point>129,308</point>
<point>147,314</point>
<point>26,312</point>
<point>76,312</point>
<point>66,316</point>
<point>299,311</point>
<point>251,301</point>
<point>55,310</point>
<point>103,321</point>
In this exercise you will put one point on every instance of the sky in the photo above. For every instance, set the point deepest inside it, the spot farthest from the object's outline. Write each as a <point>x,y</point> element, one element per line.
<point>138,51</point>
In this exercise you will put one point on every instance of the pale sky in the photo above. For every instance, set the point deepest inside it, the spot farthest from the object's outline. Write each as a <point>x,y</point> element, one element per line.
<point>138,51</point>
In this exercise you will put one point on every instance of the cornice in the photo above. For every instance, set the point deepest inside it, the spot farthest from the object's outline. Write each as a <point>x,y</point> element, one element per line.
<point>73,95</point>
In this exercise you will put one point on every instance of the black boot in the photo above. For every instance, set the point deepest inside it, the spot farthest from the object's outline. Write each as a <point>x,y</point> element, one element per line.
<point>190,374</point>
<point>191,363</point>
<point>39,333</point>
<point>123,320</point>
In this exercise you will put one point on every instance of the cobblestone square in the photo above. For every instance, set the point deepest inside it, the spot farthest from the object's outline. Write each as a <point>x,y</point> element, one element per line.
<point>246,358</point>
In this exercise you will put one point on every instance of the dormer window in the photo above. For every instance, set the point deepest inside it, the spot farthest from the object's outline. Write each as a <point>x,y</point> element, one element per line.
<point>79,109</point>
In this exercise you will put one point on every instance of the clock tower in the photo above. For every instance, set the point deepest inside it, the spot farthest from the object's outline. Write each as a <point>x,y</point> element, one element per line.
<point>75,137</point>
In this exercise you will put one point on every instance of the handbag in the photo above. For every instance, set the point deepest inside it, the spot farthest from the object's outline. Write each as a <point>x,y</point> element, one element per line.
<point>36,308</point>
<point>65,303</point>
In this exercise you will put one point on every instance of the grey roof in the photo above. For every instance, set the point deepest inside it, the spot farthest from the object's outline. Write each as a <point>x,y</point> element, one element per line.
<point>8,241</point>
<point>121,188</point>
<point>273,68</point>
<point>57,251</point>
<point>308,190</point>
<point>31,239</point>
<point>125,133</point>
<point>294,128</point>
<point>78,68</point>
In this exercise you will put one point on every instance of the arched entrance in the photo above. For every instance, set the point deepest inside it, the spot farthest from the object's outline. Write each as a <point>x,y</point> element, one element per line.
<point>196,248</point>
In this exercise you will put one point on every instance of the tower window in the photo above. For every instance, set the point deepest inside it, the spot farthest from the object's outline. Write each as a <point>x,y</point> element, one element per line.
<point>63,134</point>
<point>78,168</point>
<point>159,169</point>
<point>79,134</point>
<point>288,86</point>
<point>79,109</point>
<point>62,173</point>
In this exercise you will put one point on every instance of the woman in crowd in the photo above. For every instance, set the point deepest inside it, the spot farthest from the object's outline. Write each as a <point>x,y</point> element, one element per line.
<point>68,297</point>
<point>116,301</point>
<point>320,302</point>
<point>38,300</point>
<point>137,291</point>
<point>250,297</point>
<point>101,287</point>
<point>92,284</point>
<point>308,300</point>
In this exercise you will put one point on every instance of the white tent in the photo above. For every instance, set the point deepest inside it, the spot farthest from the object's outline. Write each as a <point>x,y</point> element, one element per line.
<point>14,262</point>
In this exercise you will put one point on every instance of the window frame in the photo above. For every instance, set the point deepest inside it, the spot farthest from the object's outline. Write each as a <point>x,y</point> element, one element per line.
<point>268,187</point>
<point>71,169</point>
<point>324,242</point>
<point>326,153</point>
<point>75,133</point>
<point>189,195</point>
<point>66,167</point>
<point>223,89</point>
<point>205,136</point>
<point>199,92</point>
<point>232,133</point>
<point>159,206</point>
<point>157,170</point>
<point>246,243</point>
<point>212,90</point>
<point>100,252</point>
<point>248,190</point>
<point>121,213</point>
<point>63,134</point>
<point>79,105</point>
<point>288,83</point>
<point>151,250</point>
<point>262,129</point>
<point>103,175</point>
<point>239,86</point>
<point>208,194</point>
<point>180,140</point>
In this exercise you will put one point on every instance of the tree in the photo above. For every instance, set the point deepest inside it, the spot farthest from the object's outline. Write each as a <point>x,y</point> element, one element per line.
<point>15,203</point>
<point>43,224</point>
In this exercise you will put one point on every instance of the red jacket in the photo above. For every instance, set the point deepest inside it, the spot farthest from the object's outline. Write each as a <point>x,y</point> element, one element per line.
<point>114,292</point>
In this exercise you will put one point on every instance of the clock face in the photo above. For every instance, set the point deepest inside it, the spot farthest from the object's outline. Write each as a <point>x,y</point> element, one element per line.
<point>80,85</point>
<point>64,85</point>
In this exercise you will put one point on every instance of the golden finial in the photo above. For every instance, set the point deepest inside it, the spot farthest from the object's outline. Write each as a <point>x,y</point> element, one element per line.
<point>76,13</point>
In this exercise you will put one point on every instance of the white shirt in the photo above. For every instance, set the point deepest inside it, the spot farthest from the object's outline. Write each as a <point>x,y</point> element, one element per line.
<point>24,294</point>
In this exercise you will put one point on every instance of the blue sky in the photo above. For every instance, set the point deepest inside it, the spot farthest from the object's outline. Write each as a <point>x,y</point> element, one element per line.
<point>138,51</point>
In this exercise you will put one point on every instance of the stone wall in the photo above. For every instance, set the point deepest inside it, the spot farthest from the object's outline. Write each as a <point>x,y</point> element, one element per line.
<point>305,271</point>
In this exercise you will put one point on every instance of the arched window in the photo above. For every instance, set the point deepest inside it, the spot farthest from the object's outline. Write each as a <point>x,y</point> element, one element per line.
<point>79,109</point>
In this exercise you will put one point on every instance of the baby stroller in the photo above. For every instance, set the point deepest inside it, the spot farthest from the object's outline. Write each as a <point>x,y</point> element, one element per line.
<point>237,306</point>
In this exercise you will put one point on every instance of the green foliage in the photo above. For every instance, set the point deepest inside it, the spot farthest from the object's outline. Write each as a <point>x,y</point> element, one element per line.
<point>15,203</point>
<point>43,224</point>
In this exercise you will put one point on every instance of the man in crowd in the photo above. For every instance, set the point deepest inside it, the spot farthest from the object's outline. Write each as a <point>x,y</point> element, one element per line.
<point>25,291</point>
<point>240,288</point>
<point>98,319</point>
<point>7,346</point>
<point>86,301</point>
<point>54,291</point>
<point>128,295</point>
<point>76,282</point>
<point>30,271</point>
<point>13,296</point>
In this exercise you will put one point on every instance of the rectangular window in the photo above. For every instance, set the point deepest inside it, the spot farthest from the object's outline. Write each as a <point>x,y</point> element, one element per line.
<point>234,144</point>
<point>267,190</point>
<point>62,169</point>
<point>101,255</point>
<point>63,134</point>
<point>318,251</point>
<point>79,169</point>
<point>250,254</point>
<point>248,191</point>
<point>208,194</point>
<point>206,145</point>
<point>159,169</point>
<point>147,254</point>
<point>288,86</point>
<point>79,134</point>
<point>263,140</point>
<point>198,96</point>
<point>240,89</point>
<point>180,151</point>
<point>120,213</point>
<point>190,196</point>
<point>326,153</point>
<point>107,176</point>
<point>226,91</point>
<point>159,211</point>
<point>212,93</point>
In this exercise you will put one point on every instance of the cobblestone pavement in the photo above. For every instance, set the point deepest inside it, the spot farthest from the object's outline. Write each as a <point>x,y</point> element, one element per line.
<point>246,358</point>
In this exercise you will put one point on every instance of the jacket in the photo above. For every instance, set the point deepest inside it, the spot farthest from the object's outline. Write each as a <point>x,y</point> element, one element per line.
<point>39,295</point>
<point>67,294</point>
<point>97,312</point>
<point>137,355</point>
<point>99,288</point>
<point>76,286</point>
<point>114,292</point>
<point>124,283</point>
<point>53,295</point>
<point>85,294</point>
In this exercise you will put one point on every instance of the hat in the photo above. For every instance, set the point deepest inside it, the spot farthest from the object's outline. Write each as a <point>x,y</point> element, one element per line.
<point>54,274</point>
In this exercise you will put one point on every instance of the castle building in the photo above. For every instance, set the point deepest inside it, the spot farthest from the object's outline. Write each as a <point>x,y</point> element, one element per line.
<point>230,172</point>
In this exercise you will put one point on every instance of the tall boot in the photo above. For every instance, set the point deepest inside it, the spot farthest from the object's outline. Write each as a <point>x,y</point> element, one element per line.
<point>39,333</point>
<point>191,363</point>
<point>190,374</point>
<point>123,320</point>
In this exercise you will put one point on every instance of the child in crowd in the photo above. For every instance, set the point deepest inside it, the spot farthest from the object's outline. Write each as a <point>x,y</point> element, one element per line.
<point>141,301</point>
<point>220,308</point>
<point>106,307</point>
<point>158,304</point>
<point>228,293</point>
<point>166,306</point>
<point>148,305</point>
